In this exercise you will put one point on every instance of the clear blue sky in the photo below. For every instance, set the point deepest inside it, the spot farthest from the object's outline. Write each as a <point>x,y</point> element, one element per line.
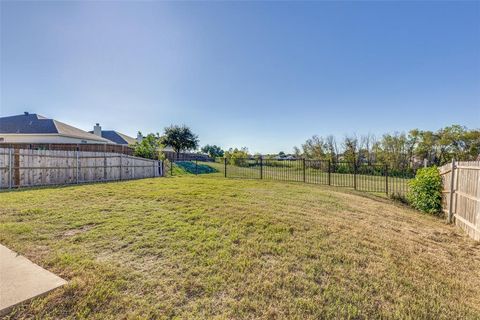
<point>262,75</point>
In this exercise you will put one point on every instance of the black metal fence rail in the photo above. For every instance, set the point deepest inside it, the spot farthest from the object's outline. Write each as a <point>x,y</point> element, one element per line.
<point>364,177</point>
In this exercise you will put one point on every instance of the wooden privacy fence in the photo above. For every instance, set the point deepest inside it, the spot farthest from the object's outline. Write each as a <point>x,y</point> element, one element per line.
<point>27,168</point>
<point>461,195</point>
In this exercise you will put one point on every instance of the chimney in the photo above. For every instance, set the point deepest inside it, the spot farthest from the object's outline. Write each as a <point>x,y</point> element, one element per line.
<point>139,137</point>
<point>97,130</point>
<point>25,113</point>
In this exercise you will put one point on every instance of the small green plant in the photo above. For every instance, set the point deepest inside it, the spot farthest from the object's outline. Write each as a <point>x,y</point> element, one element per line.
<point>425,191</point>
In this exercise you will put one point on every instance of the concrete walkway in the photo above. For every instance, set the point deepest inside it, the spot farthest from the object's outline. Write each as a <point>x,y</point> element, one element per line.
<point>22,280</point>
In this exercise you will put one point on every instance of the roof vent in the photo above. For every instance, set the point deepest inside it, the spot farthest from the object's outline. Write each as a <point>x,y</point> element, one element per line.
<point>25,113</point>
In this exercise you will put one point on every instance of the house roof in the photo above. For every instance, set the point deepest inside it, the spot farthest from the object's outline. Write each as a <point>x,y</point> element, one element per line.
<point>117,137</point>
<point>37,124</point>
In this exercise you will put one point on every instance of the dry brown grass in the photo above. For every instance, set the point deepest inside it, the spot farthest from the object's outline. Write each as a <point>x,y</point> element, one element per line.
<point>197,247</point>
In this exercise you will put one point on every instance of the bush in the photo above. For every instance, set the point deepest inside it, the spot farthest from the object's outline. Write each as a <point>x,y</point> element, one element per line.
<point>425,191</point>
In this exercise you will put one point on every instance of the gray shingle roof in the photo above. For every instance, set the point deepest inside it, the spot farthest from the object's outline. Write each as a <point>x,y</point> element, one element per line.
<point>27,123</point>
<point>36,124</point>
<point>117,137</point>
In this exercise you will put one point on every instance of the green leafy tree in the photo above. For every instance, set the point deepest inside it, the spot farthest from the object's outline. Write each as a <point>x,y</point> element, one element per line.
<point>213,151</point>
<point>351,146</point>
<point>148,148</point>
<point>180,138</point>
<point>314,148</point>
<point>237,157</point>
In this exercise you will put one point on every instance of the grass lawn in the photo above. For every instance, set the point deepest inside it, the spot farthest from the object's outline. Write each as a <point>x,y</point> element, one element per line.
<point>203,247</point>
<point>294,172</point>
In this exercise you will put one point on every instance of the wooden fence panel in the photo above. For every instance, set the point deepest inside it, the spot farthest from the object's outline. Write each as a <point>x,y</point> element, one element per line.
<point>4,168</point>
<point>29,167</point>
<point>464,193</point>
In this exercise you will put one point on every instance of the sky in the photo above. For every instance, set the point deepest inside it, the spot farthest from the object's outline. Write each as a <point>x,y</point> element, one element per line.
<point>264,75</point>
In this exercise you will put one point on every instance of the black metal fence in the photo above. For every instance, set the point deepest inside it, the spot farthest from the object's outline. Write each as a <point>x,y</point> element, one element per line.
<point>189,165</point>
<point>364,177</point>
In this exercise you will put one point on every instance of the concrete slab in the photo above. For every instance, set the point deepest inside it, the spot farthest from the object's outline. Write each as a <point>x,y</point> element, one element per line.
<point>22,280</point>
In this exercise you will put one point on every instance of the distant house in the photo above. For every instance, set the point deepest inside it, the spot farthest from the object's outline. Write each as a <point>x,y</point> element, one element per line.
<point>115,136</point>
<point>35,129</point>
<point>285,157</point>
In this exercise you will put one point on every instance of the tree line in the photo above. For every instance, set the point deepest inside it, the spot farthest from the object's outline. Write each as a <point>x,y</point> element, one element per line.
<point>397,150</point>
<point>179,138</point>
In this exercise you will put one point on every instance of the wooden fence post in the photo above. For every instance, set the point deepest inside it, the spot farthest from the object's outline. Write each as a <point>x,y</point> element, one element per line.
<point>133,165</point>
<point>10,168</point>
<point>105,166</point>
<point>16,168</point>
<point>77,164</point>
<point>452,191</point>
<point>121,164</point>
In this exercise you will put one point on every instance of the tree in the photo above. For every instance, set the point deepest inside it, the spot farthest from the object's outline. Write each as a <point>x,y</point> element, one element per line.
<point>213,151</point>
<point>394,149</point>
<point>350,145</point>
<point>180,138</point>
<point>237,157</point>
<point>331,148</point>
<point>148,148</point>
<point>296,152</point>
<point>314,148</point>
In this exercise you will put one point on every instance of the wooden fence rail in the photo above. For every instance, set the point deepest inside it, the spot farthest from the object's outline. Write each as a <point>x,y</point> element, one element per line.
<point>461,195</point>
<point>27,168</point>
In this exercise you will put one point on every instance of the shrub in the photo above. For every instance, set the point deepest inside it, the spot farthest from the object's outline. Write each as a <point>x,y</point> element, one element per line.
<point>425,191</point>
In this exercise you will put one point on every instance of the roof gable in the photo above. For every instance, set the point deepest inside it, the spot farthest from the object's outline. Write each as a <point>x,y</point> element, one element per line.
<point>36,124</point>
<point>70,131</point>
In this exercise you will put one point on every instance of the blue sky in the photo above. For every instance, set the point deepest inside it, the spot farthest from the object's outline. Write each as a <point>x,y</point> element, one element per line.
<point>262,75</point>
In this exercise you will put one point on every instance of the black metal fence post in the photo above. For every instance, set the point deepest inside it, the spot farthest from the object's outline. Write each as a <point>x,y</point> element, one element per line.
<point>329,172</point>
<point>171,168</point>
<point>304,180</point>
<point>196,166</point>
<point>386,179</point>
<point>225,162</point>
<point>261,168</point>
<point>354,176</point>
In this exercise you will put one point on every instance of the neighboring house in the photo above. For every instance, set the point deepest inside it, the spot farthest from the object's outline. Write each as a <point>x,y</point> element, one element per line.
<point>167,149</point>
<point>115,136</point>
<point>34,128</point>
<point>285,157</point>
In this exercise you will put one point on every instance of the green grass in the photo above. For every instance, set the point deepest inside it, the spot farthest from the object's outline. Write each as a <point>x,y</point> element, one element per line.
<point>199,247</point>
